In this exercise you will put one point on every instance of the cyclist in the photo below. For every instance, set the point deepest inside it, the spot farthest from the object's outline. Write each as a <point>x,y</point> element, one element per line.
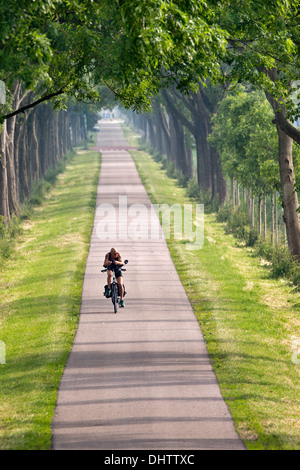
<point>113,262</point>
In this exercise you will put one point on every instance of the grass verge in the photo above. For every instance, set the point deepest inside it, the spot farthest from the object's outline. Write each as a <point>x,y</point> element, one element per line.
<point>40,300</point>
<point>250,322</point>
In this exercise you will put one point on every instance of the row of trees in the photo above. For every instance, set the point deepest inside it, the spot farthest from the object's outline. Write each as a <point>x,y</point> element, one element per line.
<point>57,49</point>
<point>246,139</point>
<point>32,143</point>
<point>238,143</point>
<point>180,123</point>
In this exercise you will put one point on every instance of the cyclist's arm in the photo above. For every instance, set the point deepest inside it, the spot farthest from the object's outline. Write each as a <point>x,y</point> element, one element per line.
<point>120,261</point>
<point>106,261</point>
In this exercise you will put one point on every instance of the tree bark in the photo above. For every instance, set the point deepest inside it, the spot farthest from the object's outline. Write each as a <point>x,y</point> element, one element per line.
<point>289,194</point>
<point>203,157</point>
<point>4,205</point>
<point>276,218</point>
<point>259,215</point>
<point>11,166</point>
<point>252,209</point>
<point>237,194</point>
<point>287,175</point>
<point>232,190</point>
<point>265,214</point>
<point>33,147</point>
<point>163,122</point>
<point>272,219</point>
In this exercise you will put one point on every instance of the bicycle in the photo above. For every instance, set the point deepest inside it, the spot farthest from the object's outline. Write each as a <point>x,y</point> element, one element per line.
<point>115,296</point>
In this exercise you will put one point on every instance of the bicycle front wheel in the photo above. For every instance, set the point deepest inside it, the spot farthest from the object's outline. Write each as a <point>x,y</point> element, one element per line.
<point>115,298</point>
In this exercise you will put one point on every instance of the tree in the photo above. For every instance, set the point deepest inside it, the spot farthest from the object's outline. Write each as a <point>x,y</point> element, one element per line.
<point>201,106</point>
<point>246,140</point>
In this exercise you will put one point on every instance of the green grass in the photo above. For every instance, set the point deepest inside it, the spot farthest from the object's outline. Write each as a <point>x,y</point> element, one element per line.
<point>40,295</point>
<point>250,322</point>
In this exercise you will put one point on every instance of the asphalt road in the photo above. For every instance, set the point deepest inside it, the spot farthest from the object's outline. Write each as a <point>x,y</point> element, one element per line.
<point>141,378</point>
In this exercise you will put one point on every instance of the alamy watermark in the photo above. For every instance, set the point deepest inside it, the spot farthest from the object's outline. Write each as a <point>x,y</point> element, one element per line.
<point>2,93</point>
<point>142,222</point>
<point>2,353</point>
<point>296,351</point>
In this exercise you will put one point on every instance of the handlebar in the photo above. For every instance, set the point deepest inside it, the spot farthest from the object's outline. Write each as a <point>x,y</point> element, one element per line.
<point>122,269</point>
<point>106,269</point>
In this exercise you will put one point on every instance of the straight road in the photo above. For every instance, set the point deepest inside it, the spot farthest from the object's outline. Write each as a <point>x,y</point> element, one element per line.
<point>141,378</point>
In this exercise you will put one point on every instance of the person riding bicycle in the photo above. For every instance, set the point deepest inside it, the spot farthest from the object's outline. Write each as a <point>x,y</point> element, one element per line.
<point>113,262</point>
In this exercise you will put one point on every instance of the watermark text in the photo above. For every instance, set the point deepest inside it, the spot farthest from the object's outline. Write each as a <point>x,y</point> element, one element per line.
<point>151,222</point>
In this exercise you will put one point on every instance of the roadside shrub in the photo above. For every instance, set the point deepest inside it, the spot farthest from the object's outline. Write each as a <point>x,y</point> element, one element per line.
<point>26,211</point>
<point>158,157</point>
<point>182,180</point>
<point>14,227</point>
<point>193,189</point>
<point>8,232</point>
<point>210,204</point>
<point>264,250</point>
<point>251,236</point>
<point>282,262</point>
<point>295,274</point>
<point>224,211</point>
<point>6,248</point>
<point>2,226</point>
<point>285,265</point>
<point>51,175</point>
<point>238,223</point>
<point>144,146</point>
<point>170,168</point>
<point>202,196</point>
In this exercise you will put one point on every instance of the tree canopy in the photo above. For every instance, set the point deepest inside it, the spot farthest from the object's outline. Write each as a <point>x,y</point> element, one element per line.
<point>246,140</point>
<point>134,47</point>
<point>61,47</point>
<point>263,40</point>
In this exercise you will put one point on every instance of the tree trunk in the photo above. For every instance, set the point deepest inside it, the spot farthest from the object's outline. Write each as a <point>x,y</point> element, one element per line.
<point>272,218</point>
<point>220,180</point>
<point>232,190</point>
<point>25,182</point>
<point>289,195</point>
<point>203,157</point>
<point>265,214</point>
<point>287,175</point>
<point>237,194</point>
<point>4,205</point>
<point>13,196</point>
<point>12,174</point>
<point>163,122</point>
<point>259,215</point>
<point>181,155</point>
<point>276,218</point>
<point>249,201</point>
<point>33,147</point>
<point>252,210</point>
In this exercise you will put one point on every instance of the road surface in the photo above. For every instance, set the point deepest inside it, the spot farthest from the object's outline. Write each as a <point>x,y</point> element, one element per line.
<point>141,378</point>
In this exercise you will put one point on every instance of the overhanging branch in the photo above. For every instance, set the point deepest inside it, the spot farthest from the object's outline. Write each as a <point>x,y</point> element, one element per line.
<point>32,105</point>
